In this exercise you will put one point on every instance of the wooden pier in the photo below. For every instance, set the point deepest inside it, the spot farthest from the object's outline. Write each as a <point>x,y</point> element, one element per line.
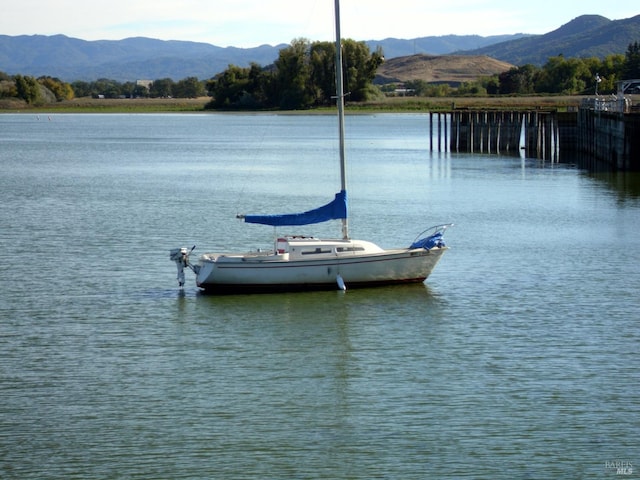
<point>501,132</point>
<point>610,138</point>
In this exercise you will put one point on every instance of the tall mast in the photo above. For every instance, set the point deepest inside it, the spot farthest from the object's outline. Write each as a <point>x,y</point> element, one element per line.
<point>340,101</point>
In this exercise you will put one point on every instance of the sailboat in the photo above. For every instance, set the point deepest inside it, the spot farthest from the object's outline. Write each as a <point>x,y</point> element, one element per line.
<point>300,262</point>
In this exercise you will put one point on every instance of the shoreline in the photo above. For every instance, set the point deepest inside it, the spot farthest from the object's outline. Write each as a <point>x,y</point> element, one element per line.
<point>394,104</point>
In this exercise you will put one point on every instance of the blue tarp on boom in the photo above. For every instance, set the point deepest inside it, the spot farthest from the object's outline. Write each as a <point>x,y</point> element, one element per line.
<point>336,209</point>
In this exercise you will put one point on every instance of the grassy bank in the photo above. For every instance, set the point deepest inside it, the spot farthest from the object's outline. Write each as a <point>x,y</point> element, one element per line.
<point>397,104</point>
<point>108,105</point>
<point>480,103</point>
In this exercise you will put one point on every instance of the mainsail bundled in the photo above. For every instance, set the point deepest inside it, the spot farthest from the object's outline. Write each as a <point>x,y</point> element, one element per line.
<point>334,210</point>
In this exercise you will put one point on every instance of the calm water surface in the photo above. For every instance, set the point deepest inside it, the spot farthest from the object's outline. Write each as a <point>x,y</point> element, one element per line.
<point>518,358</point>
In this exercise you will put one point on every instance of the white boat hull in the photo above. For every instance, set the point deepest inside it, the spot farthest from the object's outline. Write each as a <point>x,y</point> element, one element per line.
<point>278,272</point>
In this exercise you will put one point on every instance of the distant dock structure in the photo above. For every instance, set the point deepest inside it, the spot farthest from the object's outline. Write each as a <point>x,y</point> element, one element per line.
<point>603,130</point>
<point>608,130</point>
<point>496,131</point>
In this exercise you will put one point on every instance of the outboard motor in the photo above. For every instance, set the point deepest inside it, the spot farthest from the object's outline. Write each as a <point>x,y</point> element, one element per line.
<point>181,257</point>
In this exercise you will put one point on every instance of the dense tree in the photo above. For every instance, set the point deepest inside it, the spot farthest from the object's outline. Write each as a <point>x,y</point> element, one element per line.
<point>564,75</point>
<point>7,86</point>
<point>360,68</point>
<point>293,76</point>
<point>161,88</point>
<point>61,90</point>
<point>302,76</point>
<point>232,88</point>
<point>8,89</point>
<point>81,88</point>
<point>106,87</point>
<point>610,70</point>
<point>139,91</point>
<point>422,88</point>
<point>128,89</point>
<point>519,80</point>
<point>632,61</point>
<point>28,89</point>
<point>322,63</point>
<point>491,84</point>
<point>471,88</point>
<point>189,87</point>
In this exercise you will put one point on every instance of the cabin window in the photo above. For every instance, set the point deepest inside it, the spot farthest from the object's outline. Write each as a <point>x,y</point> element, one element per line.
<point>316,251</point>
<point>350,249</point>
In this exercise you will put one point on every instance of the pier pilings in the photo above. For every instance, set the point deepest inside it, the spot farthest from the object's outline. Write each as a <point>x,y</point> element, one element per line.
<point>610,138</point>
<point>501,132</point>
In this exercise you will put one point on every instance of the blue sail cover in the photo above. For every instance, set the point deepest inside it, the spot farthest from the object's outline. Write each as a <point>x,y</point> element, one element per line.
<point>335,209</point>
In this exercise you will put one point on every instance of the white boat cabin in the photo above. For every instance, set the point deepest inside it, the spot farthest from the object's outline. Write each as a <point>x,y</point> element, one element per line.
<point>300,248</point>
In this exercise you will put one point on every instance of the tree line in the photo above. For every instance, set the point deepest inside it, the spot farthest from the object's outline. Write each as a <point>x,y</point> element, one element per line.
<point>34,91</point>
<point>559,75</point>
<point>303,76</point>
<point>189,87</point>
<point>42,90</point>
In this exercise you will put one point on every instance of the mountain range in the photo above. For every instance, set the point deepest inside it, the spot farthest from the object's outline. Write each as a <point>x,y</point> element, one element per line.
<point>71,59</point>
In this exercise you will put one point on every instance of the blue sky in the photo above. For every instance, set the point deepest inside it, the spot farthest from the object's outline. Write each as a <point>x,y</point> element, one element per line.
<point>249,23</point>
